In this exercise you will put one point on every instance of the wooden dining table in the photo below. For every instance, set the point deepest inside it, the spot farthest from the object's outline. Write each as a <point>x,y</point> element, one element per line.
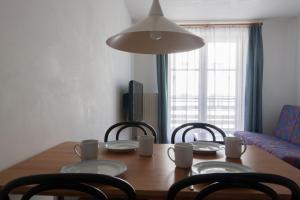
<point>152,176</point>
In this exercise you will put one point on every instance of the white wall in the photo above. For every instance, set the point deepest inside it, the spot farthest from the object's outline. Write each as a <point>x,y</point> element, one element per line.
<point>280,71</point>
<point>58,79</point>
<point>298,61</point>
<point>144,71</point>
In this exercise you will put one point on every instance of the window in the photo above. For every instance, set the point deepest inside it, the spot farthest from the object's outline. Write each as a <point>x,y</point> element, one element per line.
<point>207,85</point>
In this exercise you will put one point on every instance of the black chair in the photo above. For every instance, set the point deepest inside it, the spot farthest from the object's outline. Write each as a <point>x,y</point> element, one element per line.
<point>221,181</point>
<point>123,125</point>
<point>77,182</point>
<point>185,128</point>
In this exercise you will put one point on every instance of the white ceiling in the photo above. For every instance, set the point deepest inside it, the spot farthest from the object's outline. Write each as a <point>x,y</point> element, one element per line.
<point>215,10</point>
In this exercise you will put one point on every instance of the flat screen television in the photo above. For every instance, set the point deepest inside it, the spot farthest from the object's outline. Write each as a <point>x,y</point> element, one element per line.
<point>133,102</point>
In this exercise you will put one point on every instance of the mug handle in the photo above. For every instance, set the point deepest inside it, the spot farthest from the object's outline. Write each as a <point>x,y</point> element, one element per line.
<point>76,150</point>
<point>245,147</point>
<point>169,153</point>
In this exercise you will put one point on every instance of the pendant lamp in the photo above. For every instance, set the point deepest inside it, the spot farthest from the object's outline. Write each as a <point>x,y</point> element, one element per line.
<point>155,35</point>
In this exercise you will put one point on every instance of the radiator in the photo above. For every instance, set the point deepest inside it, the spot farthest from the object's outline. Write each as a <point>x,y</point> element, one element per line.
<point>150,112</point>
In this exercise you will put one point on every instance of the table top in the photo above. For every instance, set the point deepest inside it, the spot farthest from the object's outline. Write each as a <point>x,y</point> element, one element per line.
<point>151,176</point>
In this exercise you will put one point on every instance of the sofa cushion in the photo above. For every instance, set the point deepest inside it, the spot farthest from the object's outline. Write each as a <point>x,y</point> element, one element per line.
<point>254,138</point>
<point>287,122</point>
<point>295,138</point>
<point>280,148</point>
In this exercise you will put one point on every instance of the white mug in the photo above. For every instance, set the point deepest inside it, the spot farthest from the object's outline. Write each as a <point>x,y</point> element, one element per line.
<point>87,149</point>
<point>183,155</point>
<point>233,147</point>
<point>146,145</point>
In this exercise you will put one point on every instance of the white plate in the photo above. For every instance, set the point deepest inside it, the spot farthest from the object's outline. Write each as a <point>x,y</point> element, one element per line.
<point>206,147</point>
<point>122,145</point>
<point>107,167</point>
<point>219,167</point>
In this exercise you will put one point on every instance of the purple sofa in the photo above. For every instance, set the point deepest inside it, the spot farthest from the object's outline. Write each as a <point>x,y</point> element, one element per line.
<point>285,141</point>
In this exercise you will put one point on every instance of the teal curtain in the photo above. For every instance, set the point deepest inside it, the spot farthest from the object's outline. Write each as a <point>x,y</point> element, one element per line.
<point>162,84</point>
<point>254,81</point>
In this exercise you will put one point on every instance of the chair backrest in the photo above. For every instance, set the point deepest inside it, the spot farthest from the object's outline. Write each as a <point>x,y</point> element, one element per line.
<point>221,181</point>
<point>146,128</point>
<point>185,128</point>
<point>77,182</point>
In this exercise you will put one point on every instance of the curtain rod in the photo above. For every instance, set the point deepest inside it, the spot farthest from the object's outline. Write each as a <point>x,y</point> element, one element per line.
<point>223,24</point>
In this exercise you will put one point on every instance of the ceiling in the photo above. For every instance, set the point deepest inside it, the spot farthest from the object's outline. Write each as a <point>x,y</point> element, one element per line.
<point>216,10</point>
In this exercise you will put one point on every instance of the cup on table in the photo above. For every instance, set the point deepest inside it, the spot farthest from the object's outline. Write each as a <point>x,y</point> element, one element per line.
<point>146,145</point>
<point>87,149</point>
<point>183,155</point>
<point>233,147</point>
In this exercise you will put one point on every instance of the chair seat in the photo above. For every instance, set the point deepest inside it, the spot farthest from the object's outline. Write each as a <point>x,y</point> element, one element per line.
<point>276,146</point>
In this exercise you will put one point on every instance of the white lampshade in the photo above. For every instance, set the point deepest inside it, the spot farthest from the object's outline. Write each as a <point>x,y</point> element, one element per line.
<point>155,35</point>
